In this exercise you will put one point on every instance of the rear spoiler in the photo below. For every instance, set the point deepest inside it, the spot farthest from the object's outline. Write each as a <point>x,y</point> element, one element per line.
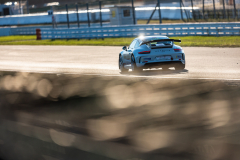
<point>161,40</point>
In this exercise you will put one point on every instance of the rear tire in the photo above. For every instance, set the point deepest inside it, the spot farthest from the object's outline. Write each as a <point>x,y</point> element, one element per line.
<point>135,69</point>
<point>121,66</point>
<point>180,66</point>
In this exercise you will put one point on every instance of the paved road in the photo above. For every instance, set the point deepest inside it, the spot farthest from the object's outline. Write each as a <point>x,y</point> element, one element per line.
<point>202,62</point>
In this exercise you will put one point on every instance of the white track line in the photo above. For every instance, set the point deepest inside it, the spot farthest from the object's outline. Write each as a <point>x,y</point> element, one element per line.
<point>157,77</point>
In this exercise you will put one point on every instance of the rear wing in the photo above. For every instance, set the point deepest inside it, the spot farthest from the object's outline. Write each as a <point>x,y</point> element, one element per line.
<point>161,40</point>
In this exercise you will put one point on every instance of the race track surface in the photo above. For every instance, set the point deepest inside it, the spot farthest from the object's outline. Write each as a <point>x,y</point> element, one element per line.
<point>202,62</point>
<point>62,117</point>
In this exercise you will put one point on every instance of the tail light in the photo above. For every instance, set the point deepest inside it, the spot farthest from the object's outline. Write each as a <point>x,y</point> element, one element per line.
<point>178,50</point>
<point>144,52</point>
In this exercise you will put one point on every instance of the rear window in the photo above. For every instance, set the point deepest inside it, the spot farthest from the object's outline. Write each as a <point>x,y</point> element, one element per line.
<point>164,44</point>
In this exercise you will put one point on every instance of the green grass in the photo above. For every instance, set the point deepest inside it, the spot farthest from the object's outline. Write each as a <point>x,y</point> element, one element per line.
<point>16,38</point>
<point>200,41</point>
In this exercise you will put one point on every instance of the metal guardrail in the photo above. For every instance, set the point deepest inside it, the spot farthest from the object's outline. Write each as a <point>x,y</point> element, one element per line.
<point>23,31</point>
<point>32,30</point>
<point>199,29</point>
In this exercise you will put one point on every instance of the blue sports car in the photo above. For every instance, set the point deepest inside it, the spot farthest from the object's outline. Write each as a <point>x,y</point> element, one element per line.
<point>151,52</point>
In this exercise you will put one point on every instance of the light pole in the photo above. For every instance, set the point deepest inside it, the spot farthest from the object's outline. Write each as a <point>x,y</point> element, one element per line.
<point>159,12</point>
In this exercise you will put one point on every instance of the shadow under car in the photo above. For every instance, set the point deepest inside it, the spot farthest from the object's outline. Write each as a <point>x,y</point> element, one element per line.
<point>151,72</point>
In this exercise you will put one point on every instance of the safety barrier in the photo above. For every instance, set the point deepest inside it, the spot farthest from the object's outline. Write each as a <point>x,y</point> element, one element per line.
<point>32,30</point>
<point>199,29</point>
<point>5,31</point>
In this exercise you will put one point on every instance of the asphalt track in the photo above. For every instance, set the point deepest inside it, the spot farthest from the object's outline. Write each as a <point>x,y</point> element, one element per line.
<point>202,62</point>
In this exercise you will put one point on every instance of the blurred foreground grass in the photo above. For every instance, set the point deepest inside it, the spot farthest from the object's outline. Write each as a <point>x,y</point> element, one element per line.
<point>108,118</point>
<point>197,41</point>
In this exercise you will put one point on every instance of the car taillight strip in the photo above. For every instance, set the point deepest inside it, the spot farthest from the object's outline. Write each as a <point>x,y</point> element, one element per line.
<point>177,50</point>
<point>144,52</point>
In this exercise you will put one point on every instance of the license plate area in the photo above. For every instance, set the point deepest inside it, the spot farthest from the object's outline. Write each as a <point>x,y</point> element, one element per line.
<point>179,56</point>
<point>163,58</point>
<point>146,59</point>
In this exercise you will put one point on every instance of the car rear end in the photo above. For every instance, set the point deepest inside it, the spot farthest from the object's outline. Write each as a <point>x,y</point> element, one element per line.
<point>158,53</point>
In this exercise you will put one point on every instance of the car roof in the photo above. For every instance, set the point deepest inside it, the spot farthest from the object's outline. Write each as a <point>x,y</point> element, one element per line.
<point>150,38</point>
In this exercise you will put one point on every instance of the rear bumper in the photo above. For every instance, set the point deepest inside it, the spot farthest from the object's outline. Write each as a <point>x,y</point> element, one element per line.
<point>160,64</point>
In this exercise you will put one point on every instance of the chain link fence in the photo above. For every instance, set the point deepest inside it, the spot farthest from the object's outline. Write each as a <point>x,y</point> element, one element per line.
<point>214,10</point>
<point>101,13</point>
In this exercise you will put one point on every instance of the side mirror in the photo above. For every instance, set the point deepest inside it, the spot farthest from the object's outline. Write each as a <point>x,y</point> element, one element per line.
<point>124,48</point>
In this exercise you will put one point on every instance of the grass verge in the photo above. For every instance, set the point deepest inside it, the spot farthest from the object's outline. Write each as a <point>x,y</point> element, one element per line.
<point>198,41</point>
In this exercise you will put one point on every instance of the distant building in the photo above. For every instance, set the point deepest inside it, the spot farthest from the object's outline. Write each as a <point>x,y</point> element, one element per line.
<point>4,10</point>
<point>121,15</point>
<point>11,8</point>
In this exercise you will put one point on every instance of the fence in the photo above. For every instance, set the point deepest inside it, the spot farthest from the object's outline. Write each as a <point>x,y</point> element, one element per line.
<point>5,31</point>
<point>32,30</point>
<point>219,14</point>
<point>207,10</point>
<point>199,29</point>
